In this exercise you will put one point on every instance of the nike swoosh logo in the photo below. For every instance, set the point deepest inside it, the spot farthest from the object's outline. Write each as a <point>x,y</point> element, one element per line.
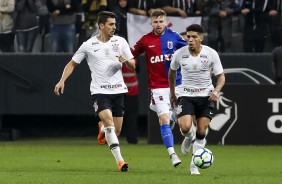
<point>96,50</point>
<point>184,64</point>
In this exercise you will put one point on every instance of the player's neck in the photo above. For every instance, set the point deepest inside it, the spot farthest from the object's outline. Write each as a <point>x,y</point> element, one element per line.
<point>196,52</point>
<point>103,38</point>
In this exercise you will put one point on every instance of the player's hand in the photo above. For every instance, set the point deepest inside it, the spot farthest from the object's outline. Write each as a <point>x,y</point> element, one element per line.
<point>214,96</point>
<point>122,59</point>
<point>59,88</point>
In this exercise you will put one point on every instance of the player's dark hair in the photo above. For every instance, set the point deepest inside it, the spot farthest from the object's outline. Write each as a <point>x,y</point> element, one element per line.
<point>195,28</point>
<point>104,15</point>
<point>157,12</point>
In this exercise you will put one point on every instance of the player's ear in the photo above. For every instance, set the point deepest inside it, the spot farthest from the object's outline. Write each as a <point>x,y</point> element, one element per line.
<point>201,37</point>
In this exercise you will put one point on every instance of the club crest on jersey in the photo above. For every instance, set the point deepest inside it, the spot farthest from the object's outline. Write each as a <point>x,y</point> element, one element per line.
<point>205,64</point>
<point>161,98</point>
<point>95,105</point>
<point>107,52</point>
<point>169,44</point>
<point>115,47</point>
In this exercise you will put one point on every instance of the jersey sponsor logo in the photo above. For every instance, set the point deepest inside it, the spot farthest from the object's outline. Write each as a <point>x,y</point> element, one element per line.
<point>161,58</point>
<point>115,86</point>
<point>115,47</point>
<point>203,56</point>
<point>151,46</point>
<point>193,90</point>
<point>169,44</point>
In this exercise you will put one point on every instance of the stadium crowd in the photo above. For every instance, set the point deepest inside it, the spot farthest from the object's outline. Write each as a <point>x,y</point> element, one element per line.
<point>62,25</point>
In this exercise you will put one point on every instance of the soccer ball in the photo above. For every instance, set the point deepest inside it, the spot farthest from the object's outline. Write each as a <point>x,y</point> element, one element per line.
<point>203,158</point>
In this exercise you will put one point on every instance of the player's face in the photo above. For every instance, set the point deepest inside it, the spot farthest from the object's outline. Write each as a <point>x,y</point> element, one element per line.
<point>159,24</point>
<point>194,40</point>
<point>109,27</point>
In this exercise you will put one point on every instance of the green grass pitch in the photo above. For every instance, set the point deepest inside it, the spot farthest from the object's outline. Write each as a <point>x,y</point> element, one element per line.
<point>83,161</point>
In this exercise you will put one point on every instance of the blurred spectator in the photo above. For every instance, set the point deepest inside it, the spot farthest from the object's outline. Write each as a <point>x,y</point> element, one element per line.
<point>111,4</point>
<point>44,19</point>
<point>277,64</point>
<point>130,105</point>
<point>275,7</point>
<point>6,25</point>
<point>91,9</point>
<point>184,35</point>
<point>220,14</point>
<point>141,7</point>
<point>179,8</point>
<point>63,17</point>
<point>26,25</point>
<point>121,13</point>
<point>255,28</point>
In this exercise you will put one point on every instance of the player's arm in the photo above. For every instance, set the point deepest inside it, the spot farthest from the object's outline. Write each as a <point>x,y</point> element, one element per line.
<point>219,84</point>
<point>129,63</point>
<point>59,88</point>
<point>172,83</point>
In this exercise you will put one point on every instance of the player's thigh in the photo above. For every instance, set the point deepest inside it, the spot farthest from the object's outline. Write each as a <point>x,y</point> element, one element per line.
<point>106,117</point>
<point>204,112</point>
<point>117,103</point>
<point>160,101</point>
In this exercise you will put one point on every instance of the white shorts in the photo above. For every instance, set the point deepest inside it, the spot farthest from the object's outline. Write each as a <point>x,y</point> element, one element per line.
<point>160,100</point>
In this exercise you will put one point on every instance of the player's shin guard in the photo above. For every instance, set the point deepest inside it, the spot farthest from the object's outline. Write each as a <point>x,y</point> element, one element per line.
<point>167,136</point>
<point>200,142</point>
<point>189,134</point>
<point>113,142</point>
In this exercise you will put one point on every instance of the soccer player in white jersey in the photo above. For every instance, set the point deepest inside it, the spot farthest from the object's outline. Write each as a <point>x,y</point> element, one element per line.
<point>105,54</point>
<point>197,93</point>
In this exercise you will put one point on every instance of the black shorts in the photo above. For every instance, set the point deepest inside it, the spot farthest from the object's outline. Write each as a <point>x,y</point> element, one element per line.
<point>198,106</point>
<point>113,102</point>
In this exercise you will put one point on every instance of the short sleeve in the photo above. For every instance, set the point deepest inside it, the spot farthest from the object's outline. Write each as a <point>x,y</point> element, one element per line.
<point>216,63</point>
<point>174,65</point>
<point>79,54</point>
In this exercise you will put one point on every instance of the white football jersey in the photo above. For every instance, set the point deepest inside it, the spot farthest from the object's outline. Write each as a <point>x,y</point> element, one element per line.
<point>196,71</point>
<point>102,59</point>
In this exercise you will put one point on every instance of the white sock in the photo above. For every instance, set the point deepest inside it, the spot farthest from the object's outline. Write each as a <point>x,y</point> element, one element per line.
<point>113,142</point>
<point>198,144</point>
<point>189,134</point>
<point>170,150</point>
<point>103,128</point>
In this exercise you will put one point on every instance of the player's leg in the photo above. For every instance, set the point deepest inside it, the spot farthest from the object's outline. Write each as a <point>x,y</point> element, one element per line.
<point>173,114</point>
<point>160,100</point>
<point>185,111</point>
<point>117,111</point>
<point>203,113</point>
<point>200,141</point>
<point>103,107</point>
<point>187,129</point>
